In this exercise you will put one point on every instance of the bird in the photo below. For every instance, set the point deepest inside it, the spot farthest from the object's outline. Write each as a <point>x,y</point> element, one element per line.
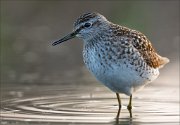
<point>121,58</point>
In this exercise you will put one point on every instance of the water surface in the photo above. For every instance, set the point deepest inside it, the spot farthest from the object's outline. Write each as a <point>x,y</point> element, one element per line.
<point>86,103</point>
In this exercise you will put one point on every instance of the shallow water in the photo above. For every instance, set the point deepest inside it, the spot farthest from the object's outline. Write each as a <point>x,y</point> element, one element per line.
<point>83,103</point>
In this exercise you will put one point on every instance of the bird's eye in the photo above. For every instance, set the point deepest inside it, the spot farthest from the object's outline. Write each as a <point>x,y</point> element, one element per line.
<point>87,25</point>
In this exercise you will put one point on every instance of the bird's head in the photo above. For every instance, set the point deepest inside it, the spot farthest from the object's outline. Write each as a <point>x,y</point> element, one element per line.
<point>86,27</point>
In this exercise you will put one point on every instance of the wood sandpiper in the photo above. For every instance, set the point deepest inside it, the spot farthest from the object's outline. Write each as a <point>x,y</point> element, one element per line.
<point>121,58</point>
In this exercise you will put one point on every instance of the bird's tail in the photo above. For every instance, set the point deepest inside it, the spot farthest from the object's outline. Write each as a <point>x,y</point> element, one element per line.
<point>163,61</point>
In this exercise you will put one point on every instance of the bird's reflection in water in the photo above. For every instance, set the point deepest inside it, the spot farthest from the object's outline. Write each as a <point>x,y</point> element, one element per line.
<point>123,121</point>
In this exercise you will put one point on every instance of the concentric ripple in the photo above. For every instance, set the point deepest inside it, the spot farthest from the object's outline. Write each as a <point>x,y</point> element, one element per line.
<point>93,105</point>
<point>58,109</point>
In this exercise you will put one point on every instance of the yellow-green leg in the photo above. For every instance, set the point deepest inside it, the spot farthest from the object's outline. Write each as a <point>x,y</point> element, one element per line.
<point>119,102</point>
<point>129,107</point>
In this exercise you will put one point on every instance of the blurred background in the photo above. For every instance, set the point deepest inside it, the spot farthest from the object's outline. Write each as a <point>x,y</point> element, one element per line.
<point>28,29</point>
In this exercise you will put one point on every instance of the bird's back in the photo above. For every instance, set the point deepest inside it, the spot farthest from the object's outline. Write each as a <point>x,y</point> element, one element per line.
<point>142,44</point>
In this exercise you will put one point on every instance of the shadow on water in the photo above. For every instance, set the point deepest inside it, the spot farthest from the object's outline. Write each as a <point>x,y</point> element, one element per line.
<point>86,104</point>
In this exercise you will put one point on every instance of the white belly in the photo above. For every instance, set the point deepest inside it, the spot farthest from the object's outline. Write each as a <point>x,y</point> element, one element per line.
<point>121,78</point>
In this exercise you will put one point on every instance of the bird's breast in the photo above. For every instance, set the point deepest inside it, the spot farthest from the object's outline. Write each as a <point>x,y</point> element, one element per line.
<point>93,60</point>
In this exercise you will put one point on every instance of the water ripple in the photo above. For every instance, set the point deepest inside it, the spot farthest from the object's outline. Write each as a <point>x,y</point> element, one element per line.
<point>96,108</point>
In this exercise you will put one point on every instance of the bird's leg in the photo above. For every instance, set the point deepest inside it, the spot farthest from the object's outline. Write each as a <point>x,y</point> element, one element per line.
<point>119,102</point>
<point>129,107</point>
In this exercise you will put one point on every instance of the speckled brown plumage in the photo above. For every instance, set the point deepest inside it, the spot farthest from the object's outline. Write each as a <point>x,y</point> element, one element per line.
<point>142,44</point>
